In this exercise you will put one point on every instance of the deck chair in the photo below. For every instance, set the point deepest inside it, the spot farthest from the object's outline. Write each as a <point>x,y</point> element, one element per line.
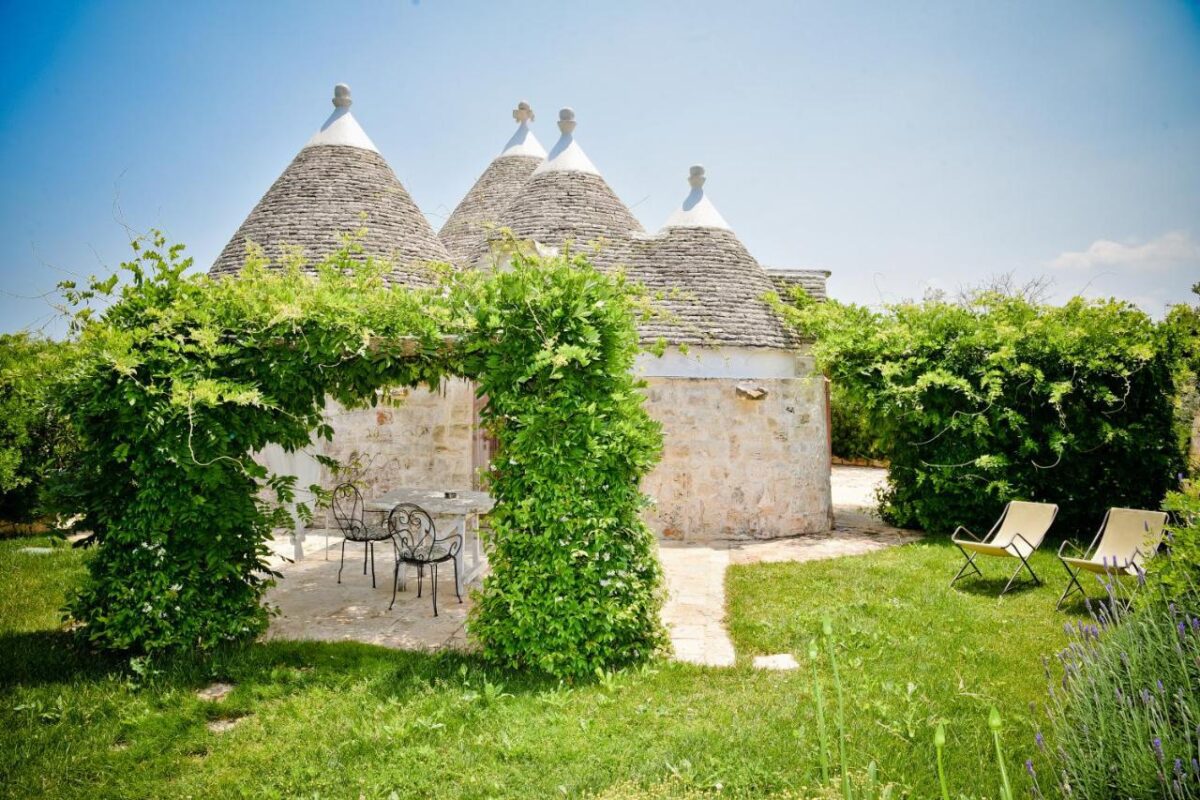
<point>1019,531</point>
<point>1127,537</point>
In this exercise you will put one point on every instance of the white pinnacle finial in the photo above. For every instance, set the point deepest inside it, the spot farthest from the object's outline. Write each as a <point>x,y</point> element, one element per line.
<point>697,210</point>
<point>566,121</point>
<point>523,113</point>
<point>341,128</point>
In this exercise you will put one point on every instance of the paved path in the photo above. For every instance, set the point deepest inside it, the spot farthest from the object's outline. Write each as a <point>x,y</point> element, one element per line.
<point>695,609</point>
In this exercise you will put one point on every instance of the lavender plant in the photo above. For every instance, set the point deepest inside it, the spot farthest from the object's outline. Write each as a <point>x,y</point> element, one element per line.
<point>1125,713</point>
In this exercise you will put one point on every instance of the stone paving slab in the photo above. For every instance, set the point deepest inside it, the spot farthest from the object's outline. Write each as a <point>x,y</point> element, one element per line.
<point>314,606</point>
<point>779,661</point>
<point>694,613</point>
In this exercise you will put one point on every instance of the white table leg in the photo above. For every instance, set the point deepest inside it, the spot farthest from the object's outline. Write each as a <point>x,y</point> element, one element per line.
<point>476,551</point>
<point>461,572</point>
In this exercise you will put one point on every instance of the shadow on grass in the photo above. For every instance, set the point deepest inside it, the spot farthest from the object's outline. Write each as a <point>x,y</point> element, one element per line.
<point>988,586</point>
<point>48,658</point>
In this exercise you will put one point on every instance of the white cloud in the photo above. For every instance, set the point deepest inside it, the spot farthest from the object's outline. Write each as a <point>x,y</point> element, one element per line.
<point>1169,250</point>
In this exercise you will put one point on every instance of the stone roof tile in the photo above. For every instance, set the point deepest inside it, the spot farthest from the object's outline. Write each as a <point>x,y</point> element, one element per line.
<point>332,188</point>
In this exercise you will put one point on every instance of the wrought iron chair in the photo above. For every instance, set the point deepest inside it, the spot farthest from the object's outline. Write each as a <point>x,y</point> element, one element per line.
<point>349,513</point>
<point>416,541</point>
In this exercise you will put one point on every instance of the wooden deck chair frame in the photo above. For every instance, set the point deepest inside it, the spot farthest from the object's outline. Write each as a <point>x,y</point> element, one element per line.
<point>1110,564</point>
<point>989,545</point>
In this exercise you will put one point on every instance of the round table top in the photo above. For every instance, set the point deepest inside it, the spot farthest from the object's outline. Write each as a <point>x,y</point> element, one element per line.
<point>464,503</point>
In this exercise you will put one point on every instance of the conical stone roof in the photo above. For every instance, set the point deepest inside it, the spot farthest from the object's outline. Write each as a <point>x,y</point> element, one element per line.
<point>566,198</point>
<point>466,231</point>
<point>707,283</point>
<point>337,184</point>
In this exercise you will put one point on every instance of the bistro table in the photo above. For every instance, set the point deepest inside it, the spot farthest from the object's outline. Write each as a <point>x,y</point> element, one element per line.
<point>464,509</point>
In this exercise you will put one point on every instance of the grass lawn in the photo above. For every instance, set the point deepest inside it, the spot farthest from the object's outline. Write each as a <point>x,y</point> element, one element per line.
<point>347,720</point>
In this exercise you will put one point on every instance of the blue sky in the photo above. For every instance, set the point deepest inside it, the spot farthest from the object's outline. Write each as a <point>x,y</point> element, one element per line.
<point>904,146</point>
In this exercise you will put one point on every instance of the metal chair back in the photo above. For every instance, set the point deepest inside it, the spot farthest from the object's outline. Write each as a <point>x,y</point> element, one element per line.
<point>414,530</point>
<point>348,512</point>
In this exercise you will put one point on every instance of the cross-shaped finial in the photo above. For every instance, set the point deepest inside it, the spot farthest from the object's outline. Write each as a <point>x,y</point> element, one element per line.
<point>523,113</point>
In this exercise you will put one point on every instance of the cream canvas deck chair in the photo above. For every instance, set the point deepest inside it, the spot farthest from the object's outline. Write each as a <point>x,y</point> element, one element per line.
<point>1127,537</point>
<point>1019,531</point>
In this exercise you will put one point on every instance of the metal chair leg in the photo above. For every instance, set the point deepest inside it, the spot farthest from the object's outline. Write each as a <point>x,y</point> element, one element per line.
<point>420,578</point>
<point>1023,565</point>
<point>970,563</point>
<point>1073,585</point>
<point>366,549</point>
<point>371,547</point>
<point>395,583</point>
<point>456,589</point>
<point>433,569</point>
<point>342,563</point>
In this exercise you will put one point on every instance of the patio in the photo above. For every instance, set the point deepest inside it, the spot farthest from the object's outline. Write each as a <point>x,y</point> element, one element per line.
<point>314,606</point>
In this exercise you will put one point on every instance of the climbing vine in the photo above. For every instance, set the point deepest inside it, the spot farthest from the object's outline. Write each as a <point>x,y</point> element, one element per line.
<point>181,378</point>
<point>574,583</point>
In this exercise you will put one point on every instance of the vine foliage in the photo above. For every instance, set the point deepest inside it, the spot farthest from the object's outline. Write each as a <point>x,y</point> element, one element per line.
<point>998,397</point>
<point>181,378</point>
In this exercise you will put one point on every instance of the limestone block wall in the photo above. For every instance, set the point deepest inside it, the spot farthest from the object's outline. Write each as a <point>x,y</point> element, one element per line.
<point>423,439</point>
<point>735,467</point>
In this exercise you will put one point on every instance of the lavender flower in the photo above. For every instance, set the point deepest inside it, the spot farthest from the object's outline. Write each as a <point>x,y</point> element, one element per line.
<point>1156,746</point>
<point>1030,770</point>
<point>1040,741</point>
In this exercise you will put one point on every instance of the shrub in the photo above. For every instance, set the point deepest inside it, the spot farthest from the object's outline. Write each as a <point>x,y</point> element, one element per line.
<point>34,437</point>
<point>997,397</point>
<point>851,434</point>
<point>1175,571</point>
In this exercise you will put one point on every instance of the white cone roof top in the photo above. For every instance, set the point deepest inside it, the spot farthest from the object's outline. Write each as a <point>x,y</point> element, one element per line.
<point>523,142</point>
<point>697,211</point>
<point>567,155</point>
<point>342,128</point>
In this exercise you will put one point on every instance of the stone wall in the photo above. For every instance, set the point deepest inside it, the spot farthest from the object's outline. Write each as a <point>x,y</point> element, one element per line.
<point>732,467</point>
<point>421,439</point>
<point>735,467</point>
